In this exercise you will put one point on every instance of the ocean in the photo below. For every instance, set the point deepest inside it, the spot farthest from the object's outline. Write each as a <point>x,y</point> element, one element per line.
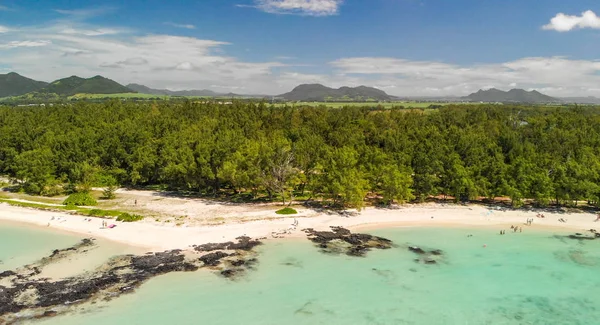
<point>534,277</point>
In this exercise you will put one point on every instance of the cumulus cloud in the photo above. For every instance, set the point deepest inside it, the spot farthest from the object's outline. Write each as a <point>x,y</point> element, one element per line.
<point>300,7</point>
<point>177,62</point>
<point>4,29</point>
<point>186,26</point>
<point>559,76</point>
<point>564,23</point>
<point>162,61</point>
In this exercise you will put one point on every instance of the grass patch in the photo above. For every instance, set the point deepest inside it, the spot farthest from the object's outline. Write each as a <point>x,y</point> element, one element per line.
<point>120,96</point>
<point>127,217</point>
<point>104,213</point>
<point>99,213</point>
<point>80,199</point>
<point>286,211</point>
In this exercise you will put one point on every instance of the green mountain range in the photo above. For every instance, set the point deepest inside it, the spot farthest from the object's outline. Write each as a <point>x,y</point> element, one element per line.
<point>317,92</point>
<point>13,84</point>
<point>76,85</point>
<point>165,92</point>
<point>513,95</point>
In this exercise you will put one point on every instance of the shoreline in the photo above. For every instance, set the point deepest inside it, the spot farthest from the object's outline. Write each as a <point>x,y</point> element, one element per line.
<point>154,236</point>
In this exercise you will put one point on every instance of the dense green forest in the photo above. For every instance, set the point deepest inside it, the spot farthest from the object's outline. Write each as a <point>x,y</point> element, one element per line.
<point>339,156</point>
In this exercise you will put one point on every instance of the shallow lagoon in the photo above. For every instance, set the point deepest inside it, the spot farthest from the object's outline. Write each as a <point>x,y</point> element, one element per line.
<point>523,278</point>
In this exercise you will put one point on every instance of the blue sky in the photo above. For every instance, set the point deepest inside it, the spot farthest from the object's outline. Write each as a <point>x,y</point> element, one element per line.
<point>405,47</point>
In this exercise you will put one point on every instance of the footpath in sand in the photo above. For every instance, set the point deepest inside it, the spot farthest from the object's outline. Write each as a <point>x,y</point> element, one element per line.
<point>182,222</point>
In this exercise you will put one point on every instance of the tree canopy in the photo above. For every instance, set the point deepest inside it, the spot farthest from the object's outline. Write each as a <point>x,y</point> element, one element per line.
<point>341,155</point>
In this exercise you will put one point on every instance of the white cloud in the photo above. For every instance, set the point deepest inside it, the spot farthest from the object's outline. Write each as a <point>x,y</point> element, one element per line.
<point>186,26</point>
<point>565,23</point>
<point>4,29</point>
<point>90,32</point>
<point>15,44</point>
<point>84,13</point>
<point>133,61</point>
<point>176,62</point>
<point>300,7</point>
<point>162,61</point>
<point>4,8</point>
<point>559,76</point>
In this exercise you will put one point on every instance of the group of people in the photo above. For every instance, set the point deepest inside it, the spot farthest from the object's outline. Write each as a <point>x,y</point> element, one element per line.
<point>529,221</point>
<point>287,231</point>
<point>514,229</point>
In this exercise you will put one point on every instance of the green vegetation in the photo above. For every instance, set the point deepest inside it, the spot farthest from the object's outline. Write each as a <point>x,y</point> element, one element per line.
<point>70,208</point>
<point>76,85</point>
<point>109,193</point>
<point>80,199</point>
<point>286,211</point>
<point>317,92</point>
<point>13,84</point>
<point>393,104</point>
<point>120,96</point>
<point>338,157</point>
<point>126,217</point>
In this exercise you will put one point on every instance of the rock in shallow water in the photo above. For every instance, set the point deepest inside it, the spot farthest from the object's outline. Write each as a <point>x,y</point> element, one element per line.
<point>29,297</point>
<point>342,240</point>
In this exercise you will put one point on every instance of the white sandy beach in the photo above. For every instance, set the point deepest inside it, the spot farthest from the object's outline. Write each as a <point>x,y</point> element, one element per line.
<point>261,221</point>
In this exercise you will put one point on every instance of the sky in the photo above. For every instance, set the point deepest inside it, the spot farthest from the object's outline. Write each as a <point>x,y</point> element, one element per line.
<point>404,47</point>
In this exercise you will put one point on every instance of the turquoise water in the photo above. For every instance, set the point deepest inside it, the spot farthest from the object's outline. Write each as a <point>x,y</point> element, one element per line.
<point>528,278</point>
<point>20,245</point>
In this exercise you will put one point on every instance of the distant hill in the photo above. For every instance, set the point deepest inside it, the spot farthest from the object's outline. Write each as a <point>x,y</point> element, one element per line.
<point>76,85</point>
<point>165,92</point>
<point>581,100</point>
<point>13,84</point>
<point>317,92</point>
<point>513,95</point>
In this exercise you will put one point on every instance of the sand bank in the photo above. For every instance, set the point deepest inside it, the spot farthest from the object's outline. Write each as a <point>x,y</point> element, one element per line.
<point>158,236</point>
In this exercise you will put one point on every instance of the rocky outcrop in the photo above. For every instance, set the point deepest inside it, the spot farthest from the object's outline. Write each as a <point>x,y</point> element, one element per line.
<point>341,240</point>
<point>29,297</point>
<point>244,243</point>
<point>592,234</point>
<point>426,256</point>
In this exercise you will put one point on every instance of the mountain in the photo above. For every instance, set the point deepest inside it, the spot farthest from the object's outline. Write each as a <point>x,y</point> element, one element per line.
<point>165,92</point>
<point>13,84</point>
<point>513,95</point>
<point>581,100</point>
<point>317,92</point>
<point>76,85</point>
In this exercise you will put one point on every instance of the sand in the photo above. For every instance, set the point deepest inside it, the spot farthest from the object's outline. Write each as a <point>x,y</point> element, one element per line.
<point>204,221</point>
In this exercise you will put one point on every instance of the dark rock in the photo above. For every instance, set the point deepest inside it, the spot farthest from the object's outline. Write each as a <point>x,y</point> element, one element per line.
<point>228,273</point>
<point>6,274</point>
<point>437,252</point>
<point>580,236</point>
<point>244,243</point>
<point>120,275</point>
<point>355,244</point>
<point>416,249</point>
<point>238,263</point>
<point>213,259</point>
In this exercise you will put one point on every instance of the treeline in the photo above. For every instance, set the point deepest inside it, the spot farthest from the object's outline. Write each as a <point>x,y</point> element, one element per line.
<point>548,155</point>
